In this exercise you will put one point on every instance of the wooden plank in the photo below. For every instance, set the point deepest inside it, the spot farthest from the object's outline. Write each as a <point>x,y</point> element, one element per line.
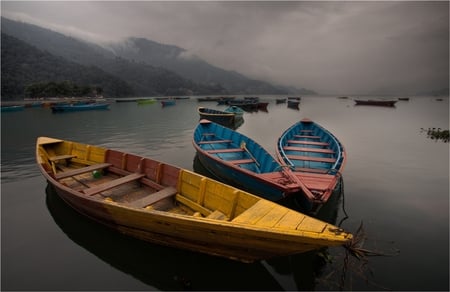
<point>61,157</point>
<point>308,142</point>
<point>215,141</point>
<point>306,149</point>
<point>307,136</point>
<point>315,170</point>
<point>312,225</point>
<point>82,170</point>
<point>193,205</point>
<point>226,150</point>
<point>291,220</point>
<point>153,198</point>
<point>217,215</point>
<point>54,159</point>
<point>255,212</point>
<point>241,161</point>
<point>112,184</point>
<point>311,158</point>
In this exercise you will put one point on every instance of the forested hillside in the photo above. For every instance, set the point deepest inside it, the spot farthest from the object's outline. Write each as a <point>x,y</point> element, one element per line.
<point>138,67</point>
<point>23,65</point>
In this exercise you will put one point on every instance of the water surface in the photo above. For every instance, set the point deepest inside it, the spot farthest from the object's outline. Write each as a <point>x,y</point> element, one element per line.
<point>396,182</point>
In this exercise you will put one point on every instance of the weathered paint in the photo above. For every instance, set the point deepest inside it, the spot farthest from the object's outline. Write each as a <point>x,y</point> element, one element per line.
<point>250,228</point>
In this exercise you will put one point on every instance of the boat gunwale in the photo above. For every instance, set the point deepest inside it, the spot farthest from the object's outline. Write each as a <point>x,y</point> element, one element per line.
<point>341,153</point>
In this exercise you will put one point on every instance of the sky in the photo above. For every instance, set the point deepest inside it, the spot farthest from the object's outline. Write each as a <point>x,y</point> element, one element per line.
<point>333,47</point>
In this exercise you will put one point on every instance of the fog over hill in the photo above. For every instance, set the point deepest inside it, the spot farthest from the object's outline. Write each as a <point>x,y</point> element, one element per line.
<point>146,66</point>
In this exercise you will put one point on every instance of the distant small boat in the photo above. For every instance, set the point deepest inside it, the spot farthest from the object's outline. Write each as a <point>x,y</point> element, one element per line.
<point>146,101</point>
<point>294,98</point>
<point>316,157</point>
<point>262,105</point>
<point>168,102</point>
<point>208,98</point>
<point>225,99</point>
<point>248,105</point>
<point>403,98</point>
<point>79,107</point>
<point>235,110</point>
<point>127,99</point>
<point>164,204</point>
<point>387,103</point>
<point>280,100</point>
<point>223,118</point>
<point>294,104</point>
<point>12,108</point>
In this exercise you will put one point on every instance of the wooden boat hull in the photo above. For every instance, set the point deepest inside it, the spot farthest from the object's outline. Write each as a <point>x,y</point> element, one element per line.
<point>316,156</point>
<point>387,103</point>
<point>199,214</point>
<point>294,104</point>
<point>250,168</point>
<point>12,108</point>
<point>146,101</point>
<point>79,107</point>
<point>226,119</point>
<point>237,111</point>
<point>167,102</point>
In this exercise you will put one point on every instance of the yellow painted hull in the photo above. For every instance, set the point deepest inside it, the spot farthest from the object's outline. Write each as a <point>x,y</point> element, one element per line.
<point>164,204</point>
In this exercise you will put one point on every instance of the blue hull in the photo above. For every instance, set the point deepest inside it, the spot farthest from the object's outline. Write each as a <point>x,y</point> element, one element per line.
<point>79,107</point>
<point>236,159</point>
<point>315,156</point>
<point>307,139</point>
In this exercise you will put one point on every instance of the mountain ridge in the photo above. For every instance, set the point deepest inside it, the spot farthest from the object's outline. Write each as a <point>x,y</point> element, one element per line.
<point>148,67</point>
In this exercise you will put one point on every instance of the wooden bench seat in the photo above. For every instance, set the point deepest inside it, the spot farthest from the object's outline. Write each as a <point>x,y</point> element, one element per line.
<point>313,170</point>
<point>214,141</point>
<point>193,205</point>
<point>227,150</point>
<point>54,159</point>
<point>217,215</point>
<point>82,170</point>
<point>241,161</point>
<point>306,149</point>
<point>311,158</point>
<point>308,142</point>
<point>61,157</point>
<point>153,198</point>
<point>112,184</point>
<point>307,136</point>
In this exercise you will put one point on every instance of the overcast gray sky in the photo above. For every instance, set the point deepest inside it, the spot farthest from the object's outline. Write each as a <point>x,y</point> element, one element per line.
<point>331,47</point>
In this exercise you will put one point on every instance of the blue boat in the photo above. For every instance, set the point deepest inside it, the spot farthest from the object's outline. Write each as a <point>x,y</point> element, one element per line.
<point>12,108</point>
<point>168,102</point>
<point>236,110</point>
<point>223,118</point>
<point>316,157</point>
<point>79,107</point>
<point>235,159</point>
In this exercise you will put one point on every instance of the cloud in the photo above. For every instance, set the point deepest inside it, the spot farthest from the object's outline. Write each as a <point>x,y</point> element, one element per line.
<point>331,47</point>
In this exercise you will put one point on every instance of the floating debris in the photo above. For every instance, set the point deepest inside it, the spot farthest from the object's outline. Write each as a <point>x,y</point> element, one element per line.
<point>437,134</point>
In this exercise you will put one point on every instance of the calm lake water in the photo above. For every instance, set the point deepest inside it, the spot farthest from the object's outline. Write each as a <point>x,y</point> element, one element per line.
<point>396,182</point>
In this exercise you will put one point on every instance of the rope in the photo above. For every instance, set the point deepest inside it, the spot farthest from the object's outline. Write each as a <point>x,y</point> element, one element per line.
<point>342,193</point>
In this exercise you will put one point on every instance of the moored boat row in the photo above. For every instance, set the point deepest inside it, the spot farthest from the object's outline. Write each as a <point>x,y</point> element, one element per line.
<point>309,166</point>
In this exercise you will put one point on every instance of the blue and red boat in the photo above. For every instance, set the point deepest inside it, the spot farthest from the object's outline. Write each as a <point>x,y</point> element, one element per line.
<point>236,159</point>
<point>316,157</point>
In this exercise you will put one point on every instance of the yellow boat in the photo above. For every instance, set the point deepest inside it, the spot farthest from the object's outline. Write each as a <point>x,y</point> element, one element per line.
<point>167,205</point>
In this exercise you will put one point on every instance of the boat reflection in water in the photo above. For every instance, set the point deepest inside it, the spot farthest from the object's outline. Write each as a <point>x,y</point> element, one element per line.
<point>161,267</point>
